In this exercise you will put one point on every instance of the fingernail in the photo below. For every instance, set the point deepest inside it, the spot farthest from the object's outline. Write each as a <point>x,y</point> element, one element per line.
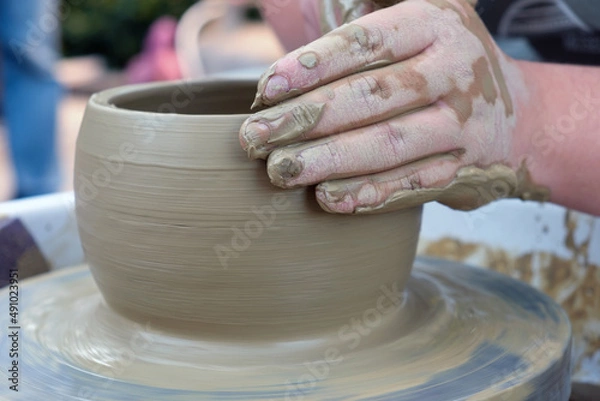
<point>272,90</point>
<point>367,195</point>
<point>368,199</point>
<point>255,134</point>
<point>284,168</point>
<point>276,87</point>
<point>334,198</point>
<point>331,192</point>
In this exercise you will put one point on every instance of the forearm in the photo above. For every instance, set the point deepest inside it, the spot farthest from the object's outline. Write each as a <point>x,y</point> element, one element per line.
<point>559,136</point>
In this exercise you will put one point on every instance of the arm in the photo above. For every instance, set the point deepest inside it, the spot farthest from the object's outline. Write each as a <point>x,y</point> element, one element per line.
<point>560,133</point>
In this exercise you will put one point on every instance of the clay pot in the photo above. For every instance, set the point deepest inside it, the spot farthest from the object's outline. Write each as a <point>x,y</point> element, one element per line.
<point>180,229</point>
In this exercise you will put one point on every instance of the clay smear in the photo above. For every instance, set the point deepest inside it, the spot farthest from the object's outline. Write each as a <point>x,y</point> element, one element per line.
<point>472,188</point>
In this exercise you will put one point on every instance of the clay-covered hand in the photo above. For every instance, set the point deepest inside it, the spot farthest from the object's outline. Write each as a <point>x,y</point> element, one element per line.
<point>403,106</point>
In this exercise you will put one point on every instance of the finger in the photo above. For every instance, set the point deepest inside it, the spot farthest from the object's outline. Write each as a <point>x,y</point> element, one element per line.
<point>356,101</point>
<point>367,150</point>
<point>377,39</point>
<point>439,178</point>
<point>403,187</point>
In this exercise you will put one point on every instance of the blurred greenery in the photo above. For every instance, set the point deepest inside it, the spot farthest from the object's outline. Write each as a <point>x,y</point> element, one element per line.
<point>112,28</point>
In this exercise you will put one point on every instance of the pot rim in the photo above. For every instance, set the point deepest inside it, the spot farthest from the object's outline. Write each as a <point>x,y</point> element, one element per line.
<point>105,100</point>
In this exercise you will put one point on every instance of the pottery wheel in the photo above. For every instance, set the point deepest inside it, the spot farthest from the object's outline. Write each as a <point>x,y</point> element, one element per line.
<point>456,333</point>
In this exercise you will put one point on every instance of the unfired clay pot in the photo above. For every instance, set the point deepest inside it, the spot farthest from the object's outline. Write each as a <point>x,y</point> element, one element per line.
<point>182,230</point>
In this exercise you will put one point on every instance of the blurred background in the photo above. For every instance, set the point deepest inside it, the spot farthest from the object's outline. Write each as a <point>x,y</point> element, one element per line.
<point>56,53</point>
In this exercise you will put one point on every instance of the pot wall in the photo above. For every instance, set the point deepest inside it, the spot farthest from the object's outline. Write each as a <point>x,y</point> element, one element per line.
<point>180,228</point>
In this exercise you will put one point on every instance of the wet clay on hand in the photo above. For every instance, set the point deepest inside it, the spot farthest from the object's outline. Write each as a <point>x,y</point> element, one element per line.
<point>408,104</point>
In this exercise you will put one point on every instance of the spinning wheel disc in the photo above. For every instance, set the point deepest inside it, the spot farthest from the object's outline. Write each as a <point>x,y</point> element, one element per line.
<point>456,333</point>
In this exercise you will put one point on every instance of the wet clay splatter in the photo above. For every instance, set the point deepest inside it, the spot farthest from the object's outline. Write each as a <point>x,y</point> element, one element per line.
<point>573,282</point>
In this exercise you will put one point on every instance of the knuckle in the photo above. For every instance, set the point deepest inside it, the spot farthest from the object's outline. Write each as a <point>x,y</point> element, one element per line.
<point>368,88</point>
<point>416,180</point>
<point>395,137</point>
<point>335,160</point>
<point>412,181</point>
<point>375,41</point>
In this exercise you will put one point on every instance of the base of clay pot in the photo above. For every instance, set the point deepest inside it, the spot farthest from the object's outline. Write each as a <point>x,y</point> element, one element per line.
<point>456,333</point>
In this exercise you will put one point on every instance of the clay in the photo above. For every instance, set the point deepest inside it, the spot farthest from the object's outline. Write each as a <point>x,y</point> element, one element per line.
<point>455,333</point>
<point>182,231</point>
<point>309,60</point>
<point>473,187</point>
<point>284,123</point>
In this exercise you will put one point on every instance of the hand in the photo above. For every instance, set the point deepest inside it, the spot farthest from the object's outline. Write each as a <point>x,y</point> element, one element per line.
<point>406,105</point>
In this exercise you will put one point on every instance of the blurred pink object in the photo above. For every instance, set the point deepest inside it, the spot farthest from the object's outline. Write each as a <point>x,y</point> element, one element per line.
<point>158,59</point>
<point>299,22</point>
<point>296,22</point>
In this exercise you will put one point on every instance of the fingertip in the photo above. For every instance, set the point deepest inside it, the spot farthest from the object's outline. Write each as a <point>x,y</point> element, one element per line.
<point>252,136</point>
<point>242,136</point>
<point>260,100</point>
<point>277,87</point>
<point>334,202</point>
<point>283,168</point>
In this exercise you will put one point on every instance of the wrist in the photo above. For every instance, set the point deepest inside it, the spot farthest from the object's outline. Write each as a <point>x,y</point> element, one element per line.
<point>528,139</point>
<point>556,137</point>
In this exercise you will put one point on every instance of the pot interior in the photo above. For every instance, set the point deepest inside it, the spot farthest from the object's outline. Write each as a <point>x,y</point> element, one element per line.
<point>211,97</point>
